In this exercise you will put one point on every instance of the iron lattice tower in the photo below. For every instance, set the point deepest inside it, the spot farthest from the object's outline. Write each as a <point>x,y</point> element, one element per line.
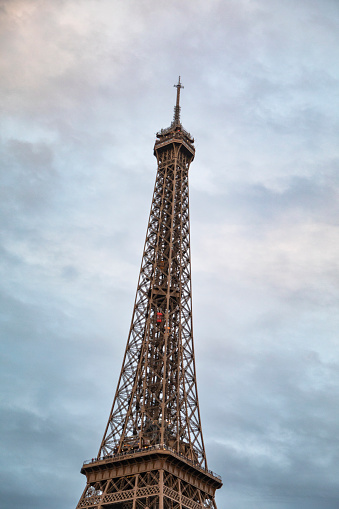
<point>152,455</point>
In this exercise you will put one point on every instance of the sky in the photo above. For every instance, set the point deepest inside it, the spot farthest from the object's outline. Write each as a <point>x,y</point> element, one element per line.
<point>84,87</point>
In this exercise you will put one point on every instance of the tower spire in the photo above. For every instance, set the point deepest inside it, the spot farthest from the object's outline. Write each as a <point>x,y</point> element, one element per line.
<point>176,118</point>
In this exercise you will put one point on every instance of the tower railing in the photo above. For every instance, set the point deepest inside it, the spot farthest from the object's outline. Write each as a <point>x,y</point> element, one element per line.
<point>157,447</point>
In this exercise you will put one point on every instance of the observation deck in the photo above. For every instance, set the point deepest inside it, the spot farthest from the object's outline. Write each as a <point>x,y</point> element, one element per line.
<point>150,458</point>
<point>175,134</point>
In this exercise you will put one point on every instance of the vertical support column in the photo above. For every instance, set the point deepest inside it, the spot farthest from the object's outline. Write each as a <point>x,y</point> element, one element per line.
<point>180,503</point>
<point>200,498</point>
<point>135,491</point>
<point>104,493</point>
<point>161,489</point>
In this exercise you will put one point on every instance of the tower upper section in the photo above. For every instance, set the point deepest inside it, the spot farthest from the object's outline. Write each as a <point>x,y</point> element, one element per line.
<point>175,134</point>
<point>156,402</point>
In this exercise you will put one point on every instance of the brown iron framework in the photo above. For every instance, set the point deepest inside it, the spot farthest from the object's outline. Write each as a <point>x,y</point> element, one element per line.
<point>152,454</point>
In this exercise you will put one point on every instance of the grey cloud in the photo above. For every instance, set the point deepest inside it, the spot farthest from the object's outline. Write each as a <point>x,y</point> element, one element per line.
<point>27,176</point>
<point>273,422</point>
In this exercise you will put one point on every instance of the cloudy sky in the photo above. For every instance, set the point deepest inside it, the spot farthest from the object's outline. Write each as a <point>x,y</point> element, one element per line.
<point>85,85</point>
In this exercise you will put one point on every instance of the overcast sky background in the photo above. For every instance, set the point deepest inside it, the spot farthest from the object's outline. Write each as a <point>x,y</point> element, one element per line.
<point>85,85</point>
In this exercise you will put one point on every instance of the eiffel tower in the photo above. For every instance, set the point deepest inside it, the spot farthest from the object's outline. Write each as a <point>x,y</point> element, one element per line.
<point>152,454</point>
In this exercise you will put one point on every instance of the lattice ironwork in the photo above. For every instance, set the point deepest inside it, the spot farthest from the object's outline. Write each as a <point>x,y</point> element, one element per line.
<point>156,401</point>
<point>170,487</point>
<point>155,407</point>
